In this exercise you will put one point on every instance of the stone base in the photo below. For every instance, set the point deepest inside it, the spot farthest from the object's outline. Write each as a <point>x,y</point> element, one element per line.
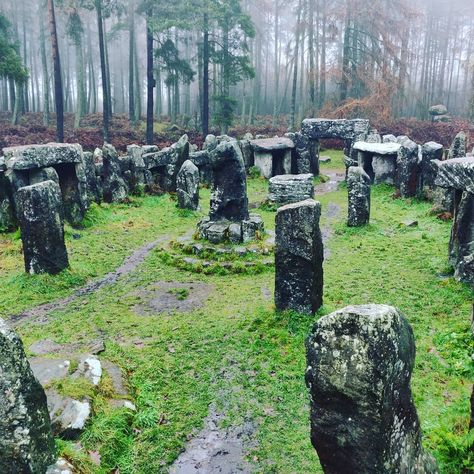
<point>218,232</point>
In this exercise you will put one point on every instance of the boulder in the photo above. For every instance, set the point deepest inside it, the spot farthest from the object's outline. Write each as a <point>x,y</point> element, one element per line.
<point>438,110</point>
<point>42,228</point>
<point>229,192</point>
<point>187,184</point>
<point>358,185</point>
<point>114,187</point>
<point>290,188</point>
<point>299,258</point>
<point>363,418</point>
<point>26,440</point>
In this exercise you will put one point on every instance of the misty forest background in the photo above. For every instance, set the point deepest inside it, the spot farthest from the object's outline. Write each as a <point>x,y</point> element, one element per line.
<point>214,64</point>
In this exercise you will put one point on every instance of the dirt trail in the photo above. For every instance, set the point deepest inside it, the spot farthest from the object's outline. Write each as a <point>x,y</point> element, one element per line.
<point>40,312</point>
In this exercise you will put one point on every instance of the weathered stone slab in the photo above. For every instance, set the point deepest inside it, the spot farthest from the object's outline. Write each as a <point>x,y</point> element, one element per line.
<point>42,228</point>
<point>307,154</point>
<point>299,258</point>
<point>264,162</point>
<point>290,188</point>
<point>389,148</point>
<point>385,169</point>
<point>407,168</point>
<point>38,175</point>
<point>229,192</point>
<point>430,152</point>
<point>187,186</point>
<point>41,156</point>
<point>26,441</point>
<point>358,185</point>
<point>363,419</point>
<point>272,144</point>
<point>325,128</point>
<point>457,173</point>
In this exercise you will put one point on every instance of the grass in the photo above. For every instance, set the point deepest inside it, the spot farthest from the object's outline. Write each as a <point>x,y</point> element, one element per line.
<point>235,350</point>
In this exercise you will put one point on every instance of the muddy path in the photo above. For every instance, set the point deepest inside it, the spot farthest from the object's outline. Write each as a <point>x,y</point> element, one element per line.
<point>40,313</point>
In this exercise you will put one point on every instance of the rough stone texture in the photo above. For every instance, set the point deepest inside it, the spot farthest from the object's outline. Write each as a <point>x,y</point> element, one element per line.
<point>273,156</point>
<point>363,419</point>
<point>287,189</point>
<point>42,229</point>
<point>430,151</point>
<point>137,166</point>
<point>247,153</point>
<point>264,162</point>
<point>377,148</point>
<point>229,192</point>
<point>384,169</point>
<point>114,187</point>
<point>272,144</point>
<point>389,138</point>
<point>358,185</point>
<point>325,128</point>
<point>26,440</point>
<point>7,213</point>
<point>202,159</point>
<point>187,184</point>
<point>251,226</point>
<point>438,110</point>
<point>299,258</point>
<point>458,147</point>
<point>461,245</point>
<point>457,173</point>
<point>407,168</point>
<point>94,184</point>
<point>210,143</point>
<point>307,154</point>
<point>373,137</point>
<point>41,156</point>
<point>43,174</point>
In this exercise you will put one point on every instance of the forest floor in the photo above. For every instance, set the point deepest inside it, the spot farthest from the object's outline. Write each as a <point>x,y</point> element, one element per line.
<point>205,355</point>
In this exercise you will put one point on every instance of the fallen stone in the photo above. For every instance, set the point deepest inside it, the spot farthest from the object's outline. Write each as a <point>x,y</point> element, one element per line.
<point>26,441</point>
<point>363,419</point>
<point>47,370</point>
<point>39,210</point>
<point>358,184</point>
<point>299,258</point>
<point>90,368</point>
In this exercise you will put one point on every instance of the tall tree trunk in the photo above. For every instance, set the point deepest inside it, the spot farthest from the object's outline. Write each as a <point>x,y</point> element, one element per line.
<point>277,65</point>
<point>103,69</point>
<point>322,83</point>
<point>150,78</point>
<point>295,70</point>
<point>205,76</point>
<point>44,64</point>
<point>58,84</point>
<point>131,64</point>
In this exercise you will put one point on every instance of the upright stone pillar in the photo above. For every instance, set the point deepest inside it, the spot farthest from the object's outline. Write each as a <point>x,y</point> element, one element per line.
<point>358,185</point>
<point>407,166</point>
<point>26,440</point>
<point>42,228</point>
<point>363,419</point>
<point>187,186</point>
<point>299,258</point>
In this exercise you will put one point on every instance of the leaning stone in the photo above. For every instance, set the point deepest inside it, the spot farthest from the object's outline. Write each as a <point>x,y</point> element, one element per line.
<point>42,229</point>
<point>229,192</point>
<point>286,189</point>
<point>299,258</point>
<point>114,187</point>
<point>363,418</point>
<point>26,441</point>
<point>358,184</point>
<point>458,147</point>
<point>187,186</point>
<point>407,166</point>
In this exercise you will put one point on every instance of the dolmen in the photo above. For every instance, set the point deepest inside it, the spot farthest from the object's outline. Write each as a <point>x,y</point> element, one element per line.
<point>457,176</point>
<point>299,256</point>
<point>229,218</point>
<point>363,418</point>
<point>273,156</point>
<point>290,188</point>
<point>379,160</point>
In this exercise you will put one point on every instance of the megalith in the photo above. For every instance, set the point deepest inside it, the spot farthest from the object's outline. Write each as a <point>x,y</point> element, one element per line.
<point>187,186</point>
<point>26,440</point>
<point>407,168</point>
<point>363,418</point>
<point>42,228</point>
<point>358,185</point>
<point>299,258</point>
<point>114,186</point>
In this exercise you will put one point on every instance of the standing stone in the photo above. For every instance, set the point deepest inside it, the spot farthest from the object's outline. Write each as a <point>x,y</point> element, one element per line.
<point>358,185</point>
<point>458,147</point>
<point>247,152</point>
<point>26,441</point>
<point>429,152</point>
<point>299,258</point>
<point>306,154</point>
<point>363,419</point>
<point>42,228</point>
<point>229,192</point>
<point>114,187</point>
<point>94,185</point>
<point>187,184</point>
<point>407,166</point>
<point>7,215</point>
